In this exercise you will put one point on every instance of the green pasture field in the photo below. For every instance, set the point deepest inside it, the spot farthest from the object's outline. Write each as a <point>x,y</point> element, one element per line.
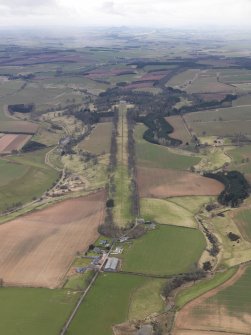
<point>166,212</point>
<point>183,77</point>
<point>146,299</point>
<point>10,171</point>
<point>209,84</point>
<point>106,304</point>
<point>166,250</point>
<point>33,179</point>
<point>243,220</point>
<point>191,293</point>
<point>241,159</point>
<point>220,128</point>
<point>46,135</point>
<point>100,139</point>
<point>10,87</point>
<point>29,311</point>
<point>222,114</point>
<point>44,95</point>
<point>233,253</point>
<point>153,155</point>
<point>236,298</point>
<point>192,203</point>
<point>242,100</point>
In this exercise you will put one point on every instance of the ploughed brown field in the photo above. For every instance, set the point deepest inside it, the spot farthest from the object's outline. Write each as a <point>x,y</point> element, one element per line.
<point>38,248</point>
<point>11,142</point>
<point>163,183</point>
<point>199,317</point>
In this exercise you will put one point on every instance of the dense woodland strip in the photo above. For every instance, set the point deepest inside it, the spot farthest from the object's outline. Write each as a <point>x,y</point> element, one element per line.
<point>236,187</point>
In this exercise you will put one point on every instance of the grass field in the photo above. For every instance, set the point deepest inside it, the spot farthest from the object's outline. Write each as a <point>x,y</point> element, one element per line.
<point>105,305</point>
<point>192,204</point>
<point>233,253</point>
<point>222,114</point>
<point>166,212</point>
<point>100,139</point>
<point>122,198</point>
<point>213,158</point>
<point>10,171</point>
<point>146,300</point>
<point>26,177</point>
<point>220,122</point>
<point>243,220</point>
<point>152,155</point>
<point>208,84</point>
<point>166,250</point>
<point>182,79</point>
<point>241,159</point>
<point>27,311</point>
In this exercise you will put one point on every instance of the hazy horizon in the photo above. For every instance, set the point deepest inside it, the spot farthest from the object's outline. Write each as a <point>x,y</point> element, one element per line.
<point>182,14</point>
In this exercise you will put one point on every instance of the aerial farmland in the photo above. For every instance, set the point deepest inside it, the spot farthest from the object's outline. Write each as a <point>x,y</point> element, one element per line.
<point>125,173</point>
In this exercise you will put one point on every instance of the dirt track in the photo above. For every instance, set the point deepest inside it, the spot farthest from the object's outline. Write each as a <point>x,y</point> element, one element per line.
<point>201,318</point>
<point>37,249</point>
<point>163,183</point>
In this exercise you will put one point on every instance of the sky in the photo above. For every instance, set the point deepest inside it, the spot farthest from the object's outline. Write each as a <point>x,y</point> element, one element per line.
<point>145,13</point>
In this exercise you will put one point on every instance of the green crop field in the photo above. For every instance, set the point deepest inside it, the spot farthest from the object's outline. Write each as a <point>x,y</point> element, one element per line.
<point>166,250</point>
<point>10,171</point>
<point>28,311</point>
<point>166,212</point>
<point>146,299</point>
<point>243,220</point>
<point>32,179</point>
<point>153,155</point>
<point>105,305</point>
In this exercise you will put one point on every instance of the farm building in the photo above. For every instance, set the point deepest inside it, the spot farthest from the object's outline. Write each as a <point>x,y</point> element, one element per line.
<point>111,264</point>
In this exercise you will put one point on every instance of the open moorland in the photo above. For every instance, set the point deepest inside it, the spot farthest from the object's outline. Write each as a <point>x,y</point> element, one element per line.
<point>37,249</point>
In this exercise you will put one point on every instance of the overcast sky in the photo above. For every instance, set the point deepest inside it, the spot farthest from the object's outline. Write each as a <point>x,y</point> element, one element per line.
<point>167,13</point>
